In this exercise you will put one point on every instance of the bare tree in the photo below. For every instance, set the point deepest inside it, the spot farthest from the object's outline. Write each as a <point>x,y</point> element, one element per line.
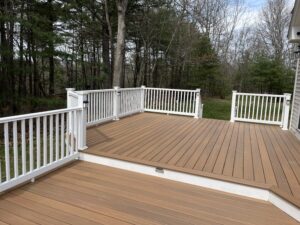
<point>219,19</point>
<point>119,53</point>
<point>272,28</point>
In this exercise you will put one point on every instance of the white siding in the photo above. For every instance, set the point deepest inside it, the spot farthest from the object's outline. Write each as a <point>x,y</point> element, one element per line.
<point>296,103</point>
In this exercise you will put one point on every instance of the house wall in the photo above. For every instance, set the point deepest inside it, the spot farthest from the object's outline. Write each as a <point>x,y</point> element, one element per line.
<point>296,104</point>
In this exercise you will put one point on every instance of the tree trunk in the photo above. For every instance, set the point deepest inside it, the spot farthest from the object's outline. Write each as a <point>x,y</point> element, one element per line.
<point>3,55</point>
<point>21,90</point>
<point>51,49</point>
<point>119,53</point>
<point>137,68</point>
<point>11,67</point>
<point>108,46</point>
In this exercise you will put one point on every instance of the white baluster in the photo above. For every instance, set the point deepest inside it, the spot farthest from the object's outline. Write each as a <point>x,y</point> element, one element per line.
<point>23,131</point>
<point>38,143</point>
<point>56,136</point>
<point>62,136</point>
<point>15,140</point>
<point>45,152</point>
<point>31,167</point>
<point>51,138</point>
<point>6,146</point>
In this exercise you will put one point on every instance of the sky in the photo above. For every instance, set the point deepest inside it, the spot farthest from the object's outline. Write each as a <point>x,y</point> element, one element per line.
<point>257,4</point>
<point>254,7</point>
<point>254,4</point>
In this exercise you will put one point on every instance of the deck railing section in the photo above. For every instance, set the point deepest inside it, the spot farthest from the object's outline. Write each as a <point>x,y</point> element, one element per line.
<point>99,105</point>
<point>261,108</point>
<point>36,143</point>
<point>111,104</point>
<point>130,101</point>
<point>173,101</point>
<point>108,104</point>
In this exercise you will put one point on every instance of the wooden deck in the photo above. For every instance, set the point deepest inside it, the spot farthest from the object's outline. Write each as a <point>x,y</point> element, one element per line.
<point>251,154</point>
<point>86,193</point>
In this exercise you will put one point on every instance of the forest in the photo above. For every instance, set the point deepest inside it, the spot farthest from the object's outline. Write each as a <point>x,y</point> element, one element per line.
<point>215,45</point>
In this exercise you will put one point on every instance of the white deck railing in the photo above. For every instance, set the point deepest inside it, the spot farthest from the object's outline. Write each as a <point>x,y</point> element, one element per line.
<point>36,143</point>
<point>261,108</point>
<point>111,104</point>
<point>130,101</point>
<point>108,104</point>
<point>173,101</point>
<point>99,105</point>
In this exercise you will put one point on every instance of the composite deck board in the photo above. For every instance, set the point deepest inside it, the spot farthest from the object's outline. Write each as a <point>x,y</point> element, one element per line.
<point>86,193</point>
<point>251,154</point>
<point>258,170</point>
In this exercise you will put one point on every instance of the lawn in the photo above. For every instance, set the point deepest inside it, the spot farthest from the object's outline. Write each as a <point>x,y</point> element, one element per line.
<point>216,108</point>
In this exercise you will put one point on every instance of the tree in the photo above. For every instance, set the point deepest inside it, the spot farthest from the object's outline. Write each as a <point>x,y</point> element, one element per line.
<point>273,28</point>
<point>119,53</point>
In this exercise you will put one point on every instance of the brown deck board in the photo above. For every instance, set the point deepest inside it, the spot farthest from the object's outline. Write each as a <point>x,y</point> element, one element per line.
<point>209,165</point>
<point>248,159</point>
<point>86,193</point>
<point>157,149</point>
<point>251,154</point>
<point>220,160</point>
<point>209,147</point>
<point>239,165</point>
<point>181,162</point>
<point>258,170</point>
<point>281,179</point>
<point>200,148</point>
<point>230,157</point>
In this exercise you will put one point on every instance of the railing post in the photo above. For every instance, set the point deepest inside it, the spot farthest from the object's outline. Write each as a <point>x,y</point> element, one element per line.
<point>116,103</point>
<point>233,106</point>
<point>82,121</point>
<point>198,105</point>
<point>68,96</point>
<point>142,98</point>
<point>81,117</point>
<point>286,111</point>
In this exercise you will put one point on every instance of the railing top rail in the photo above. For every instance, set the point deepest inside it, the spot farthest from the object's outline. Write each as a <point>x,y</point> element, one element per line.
<point>35,115</point>
<point>74,93</point>
<point>130,89</point>
<point>187,90</point>
<point>254,94</point>
<point>93,91</point>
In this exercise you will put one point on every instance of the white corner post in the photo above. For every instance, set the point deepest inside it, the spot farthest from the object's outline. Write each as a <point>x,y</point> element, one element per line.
<point>78,99</point>
<point>82,121</point>
<point>143,87</point>
<point>233,108</point>
<point>69,90</point>
<point>198,106</point>
<point>116,103</point>
<point>286,111</point>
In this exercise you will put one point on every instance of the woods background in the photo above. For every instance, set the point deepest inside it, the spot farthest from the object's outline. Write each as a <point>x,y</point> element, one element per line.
<point>215,45</point>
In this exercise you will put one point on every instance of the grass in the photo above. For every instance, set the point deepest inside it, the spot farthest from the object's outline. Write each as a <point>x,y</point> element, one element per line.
<point>215,108</point>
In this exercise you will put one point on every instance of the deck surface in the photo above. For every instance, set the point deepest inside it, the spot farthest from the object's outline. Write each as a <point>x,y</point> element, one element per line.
<point>251,154</point>
<point>86,193</point>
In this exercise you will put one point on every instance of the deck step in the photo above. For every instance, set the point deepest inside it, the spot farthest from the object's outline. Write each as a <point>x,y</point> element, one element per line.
<point>197,180</point>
